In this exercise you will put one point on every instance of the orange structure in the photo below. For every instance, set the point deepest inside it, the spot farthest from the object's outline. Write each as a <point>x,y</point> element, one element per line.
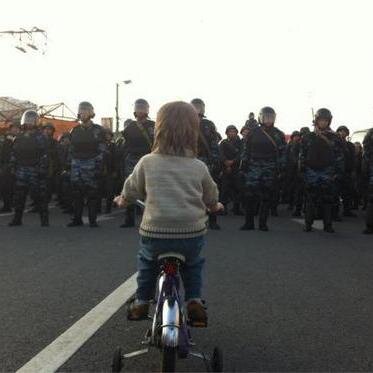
<point>11,111</point>
<point>60,125</point>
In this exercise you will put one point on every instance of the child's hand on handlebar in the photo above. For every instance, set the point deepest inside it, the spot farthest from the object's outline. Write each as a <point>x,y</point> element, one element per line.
<point>216,208</point>
<point>120,201</point>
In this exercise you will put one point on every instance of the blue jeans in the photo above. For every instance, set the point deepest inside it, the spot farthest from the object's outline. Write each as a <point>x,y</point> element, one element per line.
<point>148,268</point>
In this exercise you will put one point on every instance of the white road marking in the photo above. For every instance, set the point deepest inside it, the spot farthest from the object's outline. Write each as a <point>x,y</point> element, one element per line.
<point>318,225</point>
<point>67,344</point>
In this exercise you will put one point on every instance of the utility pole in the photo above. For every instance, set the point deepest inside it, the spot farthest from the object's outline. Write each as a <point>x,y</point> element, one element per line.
<point>116,108</point>
<point>117,102</point>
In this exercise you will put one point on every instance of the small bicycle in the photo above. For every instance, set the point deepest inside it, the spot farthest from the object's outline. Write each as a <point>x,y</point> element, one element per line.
<point>170,330</point>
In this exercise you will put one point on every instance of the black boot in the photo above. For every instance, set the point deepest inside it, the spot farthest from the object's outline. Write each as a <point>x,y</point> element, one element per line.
<point>77,212</point>
<point>249,218</point>
<point>213,223</point>
<point>335,213</point>
<point>44,219</point>
<point>17,219</point>
<point>296,214</point>
<point>263,216</point>
<point>92,212</point>
<point>274,212</point>
<point>129,221</point>
<point>109,204</point>
<point>75,223</point>
<point>309,216</point>
<point>327,218</point>
<point>369,219</point>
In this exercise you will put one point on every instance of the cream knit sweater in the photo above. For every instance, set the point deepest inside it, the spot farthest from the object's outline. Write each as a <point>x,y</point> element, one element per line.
<point>176,191</point>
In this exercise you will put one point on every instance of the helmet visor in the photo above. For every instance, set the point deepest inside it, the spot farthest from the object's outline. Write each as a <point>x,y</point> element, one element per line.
<point>267,118</point>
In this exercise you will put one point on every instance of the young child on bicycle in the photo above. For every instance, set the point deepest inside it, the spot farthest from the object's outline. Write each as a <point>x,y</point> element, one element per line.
<point>177,189</point>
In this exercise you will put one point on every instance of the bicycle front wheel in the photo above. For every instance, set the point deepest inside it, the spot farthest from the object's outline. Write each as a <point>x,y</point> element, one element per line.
<point>168,359</point>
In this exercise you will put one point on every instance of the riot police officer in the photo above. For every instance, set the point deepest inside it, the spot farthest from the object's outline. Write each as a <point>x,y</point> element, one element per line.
<point>29,163</point>
<point>54,166</point>
<point>208,149</point>
<point>367,171</point>
<point>137,141</point>
<point>263,160</point>
<point>110,171</point>
<point>293,185</point>
<point>322,165</point>
<point>347,180</point>
<point>6,178</point>
<point>64,192</point>
<point>230,151</point>
<point>87,149</point>
<point>251,122</point>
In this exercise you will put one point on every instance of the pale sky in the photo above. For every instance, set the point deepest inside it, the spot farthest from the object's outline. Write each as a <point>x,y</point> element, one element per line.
<point>236,55</point>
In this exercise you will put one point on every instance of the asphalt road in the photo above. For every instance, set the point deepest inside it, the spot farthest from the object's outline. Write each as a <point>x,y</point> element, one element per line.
<point>278,301</point>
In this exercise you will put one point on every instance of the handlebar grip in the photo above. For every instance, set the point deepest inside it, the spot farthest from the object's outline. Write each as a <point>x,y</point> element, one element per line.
<point>140,203</point>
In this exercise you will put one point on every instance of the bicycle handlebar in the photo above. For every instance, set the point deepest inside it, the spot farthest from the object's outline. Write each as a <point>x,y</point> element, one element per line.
<point>140,203</point>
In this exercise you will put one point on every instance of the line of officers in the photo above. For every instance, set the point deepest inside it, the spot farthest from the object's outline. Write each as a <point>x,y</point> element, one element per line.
<point>255,172</point>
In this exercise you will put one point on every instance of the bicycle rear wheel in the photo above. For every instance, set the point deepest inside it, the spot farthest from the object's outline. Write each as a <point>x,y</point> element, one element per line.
<point>168,359</point>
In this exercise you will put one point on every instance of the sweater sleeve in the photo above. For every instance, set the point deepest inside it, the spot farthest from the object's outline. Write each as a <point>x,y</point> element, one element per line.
<point>210,190</point>
<point>134,186</point>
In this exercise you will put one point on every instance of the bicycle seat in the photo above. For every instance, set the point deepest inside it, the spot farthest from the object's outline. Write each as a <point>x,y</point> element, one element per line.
<point>171,255</point>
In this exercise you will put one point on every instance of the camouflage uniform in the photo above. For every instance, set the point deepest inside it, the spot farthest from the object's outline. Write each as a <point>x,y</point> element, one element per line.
<point>208,153</point>
<point>6,178</point>
<point>137,141</point>
<point>86,153</point>
<point>263,159</point>
<point>367,170</point>
<point>208,147</point>
<point>29,164</point>
<point>321,164</point>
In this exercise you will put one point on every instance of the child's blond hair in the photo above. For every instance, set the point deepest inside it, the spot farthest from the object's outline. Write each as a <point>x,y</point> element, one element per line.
<point>177,130</point>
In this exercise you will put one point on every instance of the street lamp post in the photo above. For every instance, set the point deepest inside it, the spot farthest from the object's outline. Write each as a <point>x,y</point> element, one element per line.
<point>117,103</point>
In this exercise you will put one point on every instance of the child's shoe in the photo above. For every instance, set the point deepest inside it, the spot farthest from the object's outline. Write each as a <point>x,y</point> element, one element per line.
<point>137,311</point>
<point>197,314</point>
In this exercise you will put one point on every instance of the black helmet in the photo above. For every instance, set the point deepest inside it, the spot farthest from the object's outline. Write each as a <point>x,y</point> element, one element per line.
<point>266,110</point>
<point>304,131</point>
<point>323,113</point>
<point>199,105</point>
<point>30,117</point>
<point>343,128</point>
<point>230,128</point>
<point>295,133</point>
<point>141,106</point>
<point>86,107</point>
